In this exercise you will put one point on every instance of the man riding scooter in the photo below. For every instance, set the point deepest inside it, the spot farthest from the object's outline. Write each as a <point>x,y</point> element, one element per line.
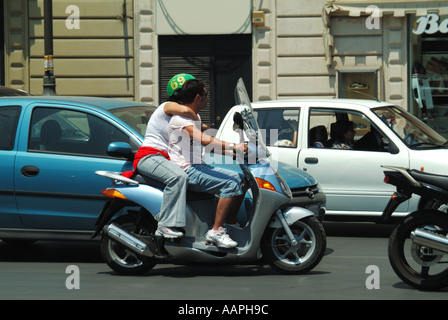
<point>185,149</point>
<point>152,160</point>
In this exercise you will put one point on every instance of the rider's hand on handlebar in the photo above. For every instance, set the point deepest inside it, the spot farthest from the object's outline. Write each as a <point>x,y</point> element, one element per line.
<point>241,147</point>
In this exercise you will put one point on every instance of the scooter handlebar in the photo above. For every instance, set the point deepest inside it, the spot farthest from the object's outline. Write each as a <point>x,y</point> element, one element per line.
<point>252,155</point>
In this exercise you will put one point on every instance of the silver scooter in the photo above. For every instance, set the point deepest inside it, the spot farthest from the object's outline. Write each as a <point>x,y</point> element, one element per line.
<point>290,239</point>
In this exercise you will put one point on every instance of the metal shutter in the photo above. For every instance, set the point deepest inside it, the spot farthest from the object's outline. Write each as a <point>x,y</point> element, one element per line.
<point>199,67</point>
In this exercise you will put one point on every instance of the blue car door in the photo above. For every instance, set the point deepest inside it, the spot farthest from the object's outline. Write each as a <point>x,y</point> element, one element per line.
<point>56,185</point>
<point>9,119</point>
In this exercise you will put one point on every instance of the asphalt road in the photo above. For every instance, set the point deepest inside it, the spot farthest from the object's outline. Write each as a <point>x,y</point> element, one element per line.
<point>355,267</point>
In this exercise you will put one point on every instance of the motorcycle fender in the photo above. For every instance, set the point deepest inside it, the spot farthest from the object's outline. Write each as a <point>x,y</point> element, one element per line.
<point>291,215</point>
<point>396,199</point>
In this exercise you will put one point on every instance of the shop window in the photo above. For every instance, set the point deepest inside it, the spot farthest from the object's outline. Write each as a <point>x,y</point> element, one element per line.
<point>358,84</point>
<point>429,70</point>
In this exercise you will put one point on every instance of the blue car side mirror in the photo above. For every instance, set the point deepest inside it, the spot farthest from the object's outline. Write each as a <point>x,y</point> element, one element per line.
<point>120,149</point>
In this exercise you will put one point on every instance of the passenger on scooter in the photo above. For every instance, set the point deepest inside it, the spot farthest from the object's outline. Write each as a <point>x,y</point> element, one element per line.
<point>152,160</point>
<point>186,150</point>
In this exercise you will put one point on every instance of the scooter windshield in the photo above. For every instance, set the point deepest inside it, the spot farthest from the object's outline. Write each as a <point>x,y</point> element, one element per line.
<point>251,128</point>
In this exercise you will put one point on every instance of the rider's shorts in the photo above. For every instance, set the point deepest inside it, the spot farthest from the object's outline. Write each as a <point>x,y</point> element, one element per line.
<point>214,180</point>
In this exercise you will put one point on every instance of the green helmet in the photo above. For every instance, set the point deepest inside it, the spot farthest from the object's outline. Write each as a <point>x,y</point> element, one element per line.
<point>176,82</point>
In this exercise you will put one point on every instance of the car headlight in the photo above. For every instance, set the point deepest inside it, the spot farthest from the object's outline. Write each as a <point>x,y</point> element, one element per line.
<point>285,188</point>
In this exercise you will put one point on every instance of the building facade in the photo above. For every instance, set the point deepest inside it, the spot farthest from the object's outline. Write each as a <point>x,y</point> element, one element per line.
<point>389,50</point>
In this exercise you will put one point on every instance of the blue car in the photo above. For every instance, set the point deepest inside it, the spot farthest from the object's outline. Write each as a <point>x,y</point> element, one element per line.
<point>50,148</point>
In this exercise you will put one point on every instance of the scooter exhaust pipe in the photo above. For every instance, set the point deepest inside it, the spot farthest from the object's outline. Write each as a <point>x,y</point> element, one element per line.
<point>128,240</point>
<point>431,240</point>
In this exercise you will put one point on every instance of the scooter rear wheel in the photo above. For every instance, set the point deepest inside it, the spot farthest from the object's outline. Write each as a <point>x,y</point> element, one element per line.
<point>121,259</point>
<point>282,256</point>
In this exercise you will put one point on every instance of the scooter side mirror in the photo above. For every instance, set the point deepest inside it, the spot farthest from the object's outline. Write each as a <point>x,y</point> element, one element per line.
<point>120,149</point>
<point>237,121</point>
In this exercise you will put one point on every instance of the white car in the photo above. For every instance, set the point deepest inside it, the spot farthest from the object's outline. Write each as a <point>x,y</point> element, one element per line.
<point>352,179</point>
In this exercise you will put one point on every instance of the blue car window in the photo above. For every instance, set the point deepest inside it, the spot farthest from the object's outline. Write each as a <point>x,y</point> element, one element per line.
<point>64,131</point>
<point>135,117</point>
<point>9,118</point>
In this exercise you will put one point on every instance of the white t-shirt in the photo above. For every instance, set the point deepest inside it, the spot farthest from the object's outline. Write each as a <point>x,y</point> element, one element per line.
<point>184,150</point>
<point>156,135</point>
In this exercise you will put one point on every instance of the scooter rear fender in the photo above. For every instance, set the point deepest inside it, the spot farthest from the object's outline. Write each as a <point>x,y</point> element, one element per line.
<point>111,207</point>
<point>291,215</point>
<point>146,196</point>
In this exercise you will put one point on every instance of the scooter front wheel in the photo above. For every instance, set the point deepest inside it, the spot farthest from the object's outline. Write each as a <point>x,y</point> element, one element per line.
<point>121,259</point>
<point>286,258</point>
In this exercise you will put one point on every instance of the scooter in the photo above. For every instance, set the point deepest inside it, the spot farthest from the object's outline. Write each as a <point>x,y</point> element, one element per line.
<point>418,246</point>
<point>290,239</point>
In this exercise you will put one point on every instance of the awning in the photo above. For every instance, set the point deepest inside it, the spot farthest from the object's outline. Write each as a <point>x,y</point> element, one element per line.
<point>398,8</point>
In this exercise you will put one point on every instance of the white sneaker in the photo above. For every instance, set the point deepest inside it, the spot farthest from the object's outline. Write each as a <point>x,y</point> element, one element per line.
<point>220,238</point>
<point>171,233</point>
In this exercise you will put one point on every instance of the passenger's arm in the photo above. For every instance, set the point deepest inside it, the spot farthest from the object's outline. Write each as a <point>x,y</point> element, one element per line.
<point>219,146</point>
<point>174,108</point>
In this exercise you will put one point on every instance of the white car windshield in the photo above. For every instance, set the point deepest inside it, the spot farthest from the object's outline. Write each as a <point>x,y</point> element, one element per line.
<point>412,131</point>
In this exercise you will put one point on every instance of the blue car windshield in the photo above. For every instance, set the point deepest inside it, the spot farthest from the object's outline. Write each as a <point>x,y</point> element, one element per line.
<point>412,131</point>
<point>136,117</point>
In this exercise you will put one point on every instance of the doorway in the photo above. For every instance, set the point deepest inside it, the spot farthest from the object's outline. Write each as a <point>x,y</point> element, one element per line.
<point>218,60</point>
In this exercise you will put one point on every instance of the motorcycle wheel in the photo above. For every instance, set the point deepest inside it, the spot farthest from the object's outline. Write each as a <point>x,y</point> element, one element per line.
<point>121,259</point>
<point>417,265</point>
<point>301,258</point>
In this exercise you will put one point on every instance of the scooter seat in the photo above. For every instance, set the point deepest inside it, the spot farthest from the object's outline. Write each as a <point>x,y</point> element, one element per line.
<point>430,178</point>
<point>191,195</point>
